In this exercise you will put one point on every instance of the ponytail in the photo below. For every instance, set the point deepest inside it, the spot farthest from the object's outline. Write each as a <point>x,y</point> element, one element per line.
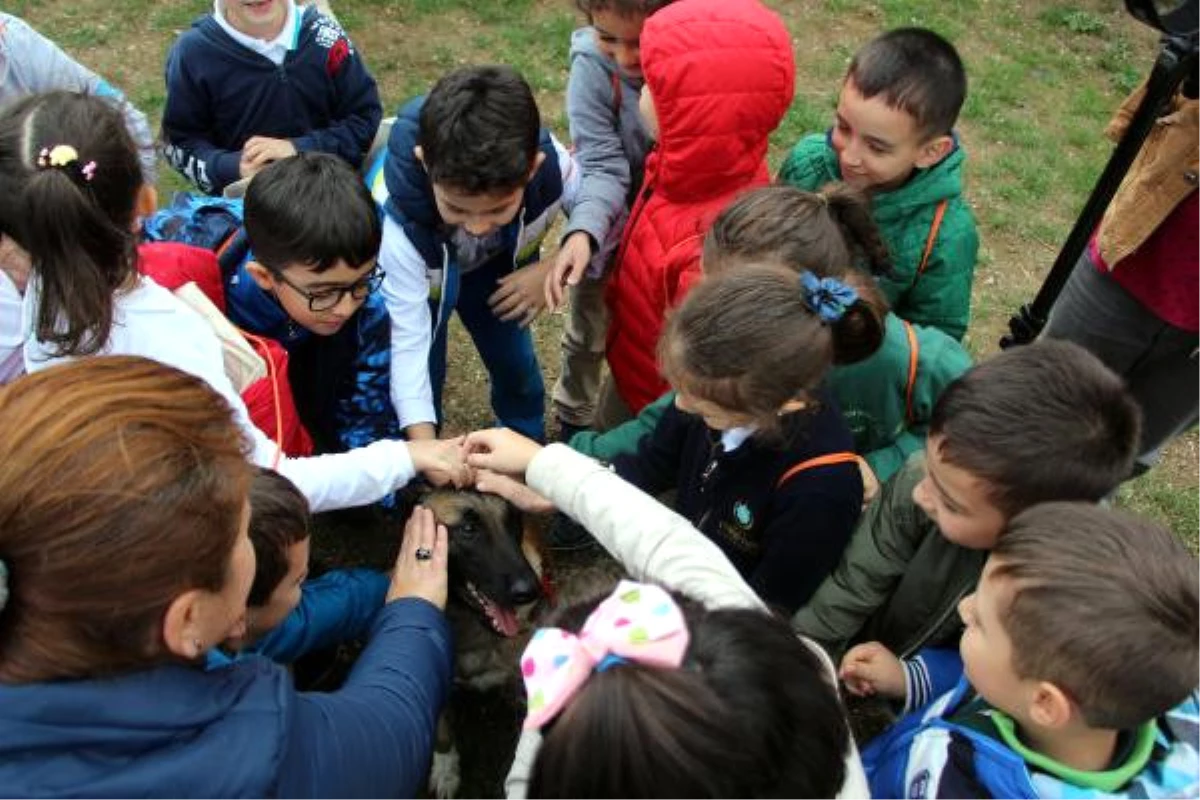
<point>71,176</point>
<point>858,335</point>
<point>851,212</point>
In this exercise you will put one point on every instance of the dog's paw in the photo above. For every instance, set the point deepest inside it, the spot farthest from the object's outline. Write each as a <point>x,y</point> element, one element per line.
<point>444,776</point>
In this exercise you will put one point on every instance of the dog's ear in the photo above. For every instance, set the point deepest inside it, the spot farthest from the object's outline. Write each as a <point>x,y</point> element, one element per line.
<point>411,496</point>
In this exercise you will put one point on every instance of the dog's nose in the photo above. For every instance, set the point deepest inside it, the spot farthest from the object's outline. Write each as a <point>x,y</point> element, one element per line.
<point>524,590</point>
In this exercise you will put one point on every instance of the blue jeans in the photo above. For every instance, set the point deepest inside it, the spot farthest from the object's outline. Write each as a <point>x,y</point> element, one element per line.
<point>518,394</point>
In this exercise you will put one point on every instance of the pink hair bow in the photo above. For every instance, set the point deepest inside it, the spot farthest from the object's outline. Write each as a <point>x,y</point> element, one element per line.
<point>637,622</point>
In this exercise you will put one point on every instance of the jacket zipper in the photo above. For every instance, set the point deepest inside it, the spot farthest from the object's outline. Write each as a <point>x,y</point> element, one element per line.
<point>920,640</point>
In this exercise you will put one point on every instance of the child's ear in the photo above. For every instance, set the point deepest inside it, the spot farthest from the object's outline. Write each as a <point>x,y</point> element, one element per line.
<point>261,276</point>
<point>934,151</point>
<point>419,154</point>
<point>1051,708</point>
<point>538,160</point>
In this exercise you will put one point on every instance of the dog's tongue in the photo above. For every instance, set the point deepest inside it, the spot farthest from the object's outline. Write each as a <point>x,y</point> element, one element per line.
<point>506,618</point>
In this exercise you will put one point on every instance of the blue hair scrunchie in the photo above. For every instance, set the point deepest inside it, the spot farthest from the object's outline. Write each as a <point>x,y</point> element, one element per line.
<point>828,298</point>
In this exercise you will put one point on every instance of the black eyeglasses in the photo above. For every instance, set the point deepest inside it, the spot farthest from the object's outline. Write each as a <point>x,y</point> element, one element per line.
<point>326,299</point>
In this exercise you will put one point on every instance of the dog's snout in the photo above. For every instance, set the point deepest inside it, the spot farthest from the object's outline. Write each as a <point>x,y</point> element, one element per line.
<point>524,590</point>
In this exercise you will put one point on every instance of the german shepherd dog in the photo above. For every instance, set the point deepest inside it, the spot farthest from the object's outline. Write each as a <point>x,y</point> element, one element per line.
<point>496,585</point>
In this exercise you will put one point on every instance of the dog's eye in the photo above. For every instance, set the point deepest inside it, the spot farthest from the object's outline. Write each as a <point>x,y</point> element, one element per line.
<point>467,529</point>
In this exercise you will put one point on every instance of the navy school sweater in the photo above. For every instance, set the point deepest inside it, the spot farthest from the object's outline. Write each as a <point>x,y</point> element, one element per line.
<point>220,93</point>
<point>784,539</point>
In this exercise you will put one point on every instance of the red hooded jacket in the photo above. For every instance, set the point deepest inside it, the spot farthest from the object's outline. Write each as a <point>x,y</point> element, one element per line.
<point>721,74</point>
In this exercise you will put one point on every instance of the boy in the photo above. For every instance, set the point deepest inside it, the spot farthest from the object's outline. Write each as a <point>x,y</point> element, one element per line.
<point>1078,671</point>
<point>259,80</point>
<point>474,183</point>
<point>718,80</point>
<point>893,136</point>
<point>610,143</point>
<point>290,616</point>
<point>1029,425</point>
<point>309,283</point>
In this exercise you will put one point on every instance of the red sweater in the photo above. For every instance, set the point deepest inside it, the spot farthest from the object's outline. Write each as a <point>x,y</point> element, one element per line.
<point>720,73</point>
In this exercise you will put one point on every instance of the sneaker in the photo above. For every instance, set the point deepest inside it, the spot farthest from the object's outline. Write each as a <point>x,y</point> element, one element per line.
<point>566,535</point>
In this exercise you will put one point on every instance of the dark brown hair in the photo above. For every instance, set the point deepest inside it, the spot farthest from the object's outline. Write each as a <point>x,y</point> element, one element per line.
<point>279,518</point>
<point>750,713</point>
<point>78,231</point>
<point>748,341</point>
<point>122,485</point>
<point>917,72</point>
<point>624,8</point>
<point>825,232</point>
<point>1043,422</point>
<point>1104,606</point>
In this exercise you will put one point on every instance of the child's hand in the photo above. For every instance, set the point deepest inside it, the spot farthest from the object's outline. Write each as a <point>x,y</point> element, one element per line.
<point>513,491</point>
<point>420,569</point>
<point>569,267</point>
<point>869,481</point>
<point>258,151</point>
<point>871,669</point>
<point>441,461</point>
<point>500,450</point>
<point>521,295</point>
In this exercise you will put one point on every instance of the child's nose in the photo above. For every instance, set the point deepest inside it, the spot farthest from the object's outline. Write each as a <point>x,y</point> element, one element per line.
<point>477,227</point>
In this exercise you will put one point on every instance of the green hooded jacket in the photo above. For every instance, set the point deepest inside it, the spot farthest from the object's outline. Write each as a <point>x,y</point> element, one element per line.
<point>872,395</point>
<point>941,296</point>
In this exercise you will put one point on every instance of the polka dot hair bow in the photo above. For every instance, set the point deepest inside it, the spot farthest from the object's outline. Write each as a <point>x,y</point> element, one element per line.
<point>638,622</point>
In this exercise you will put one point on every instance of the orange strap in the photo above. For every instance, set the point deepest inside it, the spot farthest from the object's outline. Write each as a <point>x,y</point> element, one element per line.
<point>826,460</point>
<point>914,351</point>
<point>934,227</point>
<point>273,374</point>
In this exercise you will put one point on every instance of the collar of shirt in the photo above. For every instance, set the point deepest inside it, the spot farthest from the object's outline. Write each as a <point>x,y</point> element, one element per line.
<point>276,49</point>
<point>733,438</point>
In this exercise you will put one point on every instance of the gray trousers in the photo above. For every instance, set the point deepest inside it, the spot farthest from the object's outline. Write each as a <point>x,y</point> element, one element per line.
<point>1156,359</point>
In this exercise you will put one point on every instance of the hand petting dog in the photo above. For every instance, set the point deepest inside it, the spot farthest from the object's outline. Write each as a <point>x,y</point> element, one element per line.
<point>420,569</point>
<point>500,457</point>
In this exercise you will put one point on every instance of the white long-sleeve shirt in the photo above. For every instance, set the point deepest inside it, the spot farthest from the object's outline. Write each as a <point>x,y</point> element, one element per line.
<point>151,322</point>
<point>406,293</point>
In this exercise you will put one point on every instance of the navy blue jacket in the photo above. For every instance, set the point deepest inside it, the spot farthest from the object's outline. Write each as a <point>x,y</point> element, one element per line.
<point>410,203</point>
<point>220,93</point>
<point>241,731</point>
<point>784,540</point>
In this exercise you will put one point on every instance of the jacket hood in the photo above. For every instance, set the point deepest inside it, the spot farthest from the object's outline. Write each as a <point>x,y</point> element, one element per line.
<point>170,731</point>
<point>721,74</point>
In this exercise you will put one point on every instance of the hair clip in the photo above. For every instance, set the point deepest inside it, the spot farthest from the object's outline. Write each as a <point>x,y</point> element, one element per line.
<point>66,157</point>
<point>828,298</point>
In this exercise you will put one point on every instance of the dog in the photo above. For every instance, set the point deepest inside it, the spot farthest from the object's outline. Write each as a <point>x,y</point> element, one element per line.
<point>498,585</point>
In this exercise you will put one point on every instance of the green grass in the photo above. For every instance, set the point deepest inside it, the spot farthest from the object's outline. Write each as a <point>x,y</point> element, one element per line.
<point>1044,79</point>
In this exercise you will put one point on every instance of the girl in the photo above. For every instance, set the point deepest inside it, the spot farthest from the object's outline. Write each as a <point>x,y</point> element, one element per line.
<point>757,452</point>
<point>124,556</point>
<point>715,719</point>
<point>72,197</point>
<point>886,398</point>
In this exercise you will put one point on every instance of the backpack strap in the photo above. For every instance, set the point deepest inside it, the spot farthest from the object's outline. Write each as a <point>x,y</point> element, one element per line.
<point>829,459</point>
<point>934,227</point>
<point>273,376</point>
<point>232,252</point>
<point>914,352</point>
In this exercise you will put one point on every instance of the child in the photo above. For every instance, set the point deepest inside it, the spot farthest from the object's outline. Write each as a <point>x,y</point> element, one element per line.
<point>887,397</point>
<point>893,136</point>
<point>1078,671</point>
<point>310,283</point>
<point>287,615</point>
<point>610,143</point>
<point>30,63</point>
<point>757,453</point>
<point>1029,425</point>
<point>722,724</point>
<point>1131,296</point>
<point>73,189</point>
<point>474,183</point>
<point>718,80</point>
<point>253,83</point>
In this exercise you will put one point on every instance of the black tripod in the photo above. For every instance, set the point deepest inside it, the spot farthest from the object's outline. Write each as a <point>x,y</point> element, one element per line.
<point>1176,63</point>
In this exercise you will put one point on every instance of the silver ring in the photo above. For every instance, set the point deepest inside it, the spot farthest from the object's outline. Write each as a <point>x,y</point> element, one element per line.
<point>424,554</point>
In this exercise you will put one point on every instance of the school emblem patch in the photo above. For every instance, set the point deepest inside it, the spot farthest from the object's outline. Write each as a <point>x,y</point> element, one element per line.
<point>742,515</point>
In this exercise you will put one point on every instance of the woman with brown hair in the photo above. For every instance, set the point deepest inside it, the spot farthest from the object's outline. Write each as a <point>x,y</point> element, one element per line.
<point>124,556</point>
